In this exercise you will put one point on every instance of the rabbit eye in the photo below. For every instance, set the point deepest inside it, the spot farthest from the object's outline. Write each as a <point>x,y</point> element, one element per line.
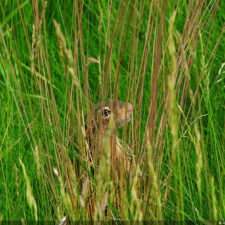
<point>106,112</point>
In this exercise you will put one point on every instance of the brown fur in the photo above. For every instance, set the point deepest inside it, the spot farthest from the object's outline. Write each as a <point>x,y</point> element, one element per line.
<point>97,125</point>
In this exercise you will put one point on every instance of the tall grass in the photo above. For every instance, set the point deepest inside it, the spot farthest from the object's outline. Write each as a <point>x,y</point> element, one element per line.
<point>60,58</point>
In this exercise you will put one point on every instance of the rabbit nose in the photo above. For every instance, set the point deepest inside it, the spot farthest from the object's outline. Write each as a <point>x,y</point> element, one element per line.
<point>129,107</point>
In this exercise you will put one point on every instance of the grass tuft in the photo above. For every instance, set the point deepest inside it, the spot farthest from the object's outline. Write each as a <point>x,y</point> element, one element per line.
<point>59,59</point>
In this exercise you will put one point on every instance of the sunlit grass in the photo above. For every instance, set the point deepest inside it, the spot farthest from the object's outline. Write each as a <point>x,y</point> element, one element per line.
<point>59,59</point>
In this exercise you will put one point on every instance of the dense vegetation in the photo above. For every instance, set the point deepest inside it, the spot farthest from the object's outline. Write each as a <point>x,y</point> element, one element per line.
<point>60,58</point>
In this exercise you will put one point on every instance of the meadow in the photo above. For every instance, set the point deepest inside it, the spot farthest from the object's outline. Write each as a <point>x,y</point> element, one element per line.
<point>58,59</point>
